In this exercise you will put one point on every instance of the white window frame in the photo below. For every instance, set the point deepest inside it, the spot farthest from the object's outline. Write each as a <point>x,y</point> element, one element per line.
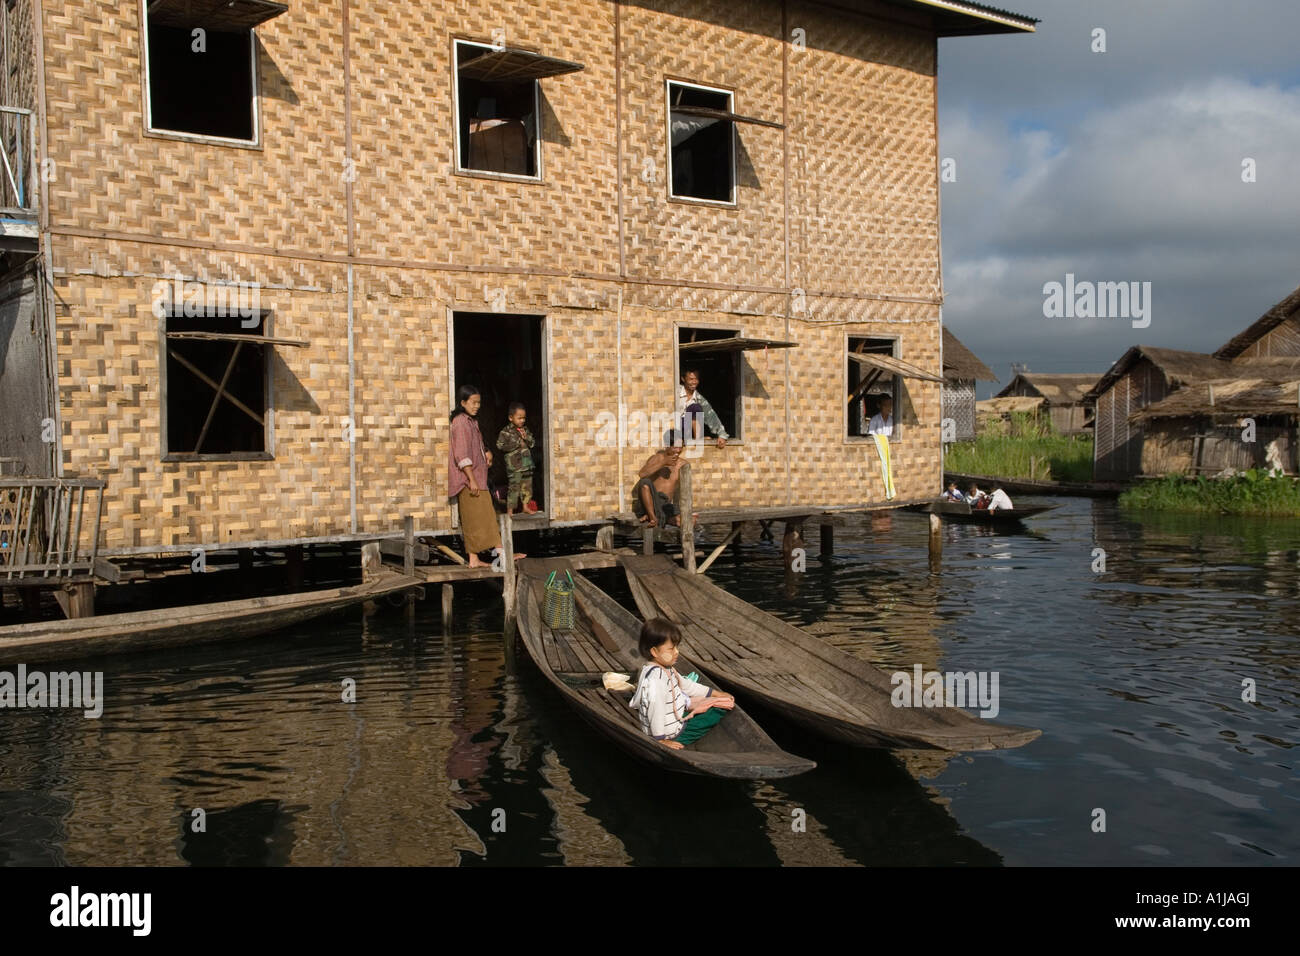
<point>199,137</point>
<point>668,133</point>
<point>461,168</point>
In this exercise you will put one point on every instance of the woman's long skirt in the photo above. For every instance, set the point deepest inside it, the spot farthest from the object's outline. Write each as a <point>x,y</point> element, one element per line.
<point>478,521</point>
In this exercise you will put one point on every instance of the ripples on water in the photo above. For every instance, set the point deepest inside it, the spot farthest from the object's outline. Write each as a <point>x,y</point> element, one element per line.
<point>1135,677</point>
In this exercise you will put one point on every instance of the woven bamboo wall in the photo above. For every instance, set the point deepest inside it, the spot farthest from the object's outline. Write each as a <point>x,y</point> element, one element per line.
<point>959,405</point>
<point>863,222</point>
<point>864,195</point>
<point>286,195</point>
<point>1169,446</point>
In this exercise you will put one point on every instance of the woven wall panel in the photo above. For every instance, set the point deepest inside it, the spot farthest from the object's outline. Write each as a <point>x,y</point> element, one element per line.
<point>720,44</point>
<point>412,205</point>
<point>864,191</point>
<point>111,176</point>
<point>110,395</point>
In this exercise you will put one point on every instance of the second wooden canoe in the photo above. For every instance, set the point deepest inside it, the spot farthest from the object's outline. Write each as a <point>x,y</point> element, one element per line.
<point>193,624</point>
<point>805,679</point>
<point>605,639</point>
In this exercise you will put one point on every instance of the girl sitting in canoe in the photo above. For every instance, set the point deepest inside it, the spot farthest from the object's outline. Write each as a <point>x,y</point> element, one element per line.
<point>674,709</point>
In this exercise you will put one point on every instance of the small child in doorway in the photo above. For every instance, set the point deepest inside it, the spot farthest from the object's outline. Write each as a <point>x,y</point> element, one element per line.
<point>516,441</point>
<point>674,709</point>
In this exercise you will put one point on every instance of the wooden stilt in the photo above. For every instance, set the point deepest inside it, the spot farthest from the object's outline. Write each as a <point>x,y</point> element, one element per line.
<point>828,539</point>
<point>31,601</point>
<point>736,535</point>
<point>293,566</point>
<point>648,541</point>
<point>408,563</point>
<point>686,503</point>
<point>605,538</point>
<point>372,561</point>
<point>936,542</point>
<point>77,600</point>
<point>447,592</point>
<point>508,565</point>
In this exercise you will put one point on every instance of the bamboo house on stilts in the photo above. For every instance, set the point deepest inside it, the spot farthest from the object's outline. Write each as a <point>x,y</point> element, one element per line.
<point>263,249</point>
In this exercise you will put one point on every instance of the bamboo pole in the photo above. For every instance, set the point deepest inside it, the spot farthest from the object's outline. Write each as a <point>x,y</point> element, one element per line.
<point>450,553</point>
<point>685,506</point>
<point>735,530</point>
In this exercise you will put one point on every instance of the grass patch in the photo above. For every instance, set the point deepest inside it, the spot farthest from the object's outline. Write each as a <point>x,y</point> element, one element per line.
<point>1024,447</point>
<point>1252,492</point>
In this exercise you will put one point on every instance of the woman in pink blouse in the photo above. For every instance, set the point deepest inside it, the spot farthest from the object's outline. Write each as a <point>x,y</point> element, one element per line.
<point>468,478</point>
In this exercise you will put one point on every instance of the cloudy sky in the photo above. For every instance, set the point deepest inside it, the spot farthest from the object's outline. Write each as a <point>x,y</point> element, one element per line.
<point>1124,165</point>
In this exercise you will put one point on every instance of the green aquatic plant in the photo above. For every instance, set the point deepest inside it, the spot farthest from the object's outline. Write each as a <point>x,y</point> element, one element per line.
<point>1252,492</point>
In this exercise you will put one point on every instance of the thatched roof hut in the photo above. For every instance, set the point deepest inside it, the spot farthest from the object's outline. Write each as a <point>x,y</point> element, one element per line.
<point>1221,424</point>
<point>1227,397</point>
<point>1065,397</point>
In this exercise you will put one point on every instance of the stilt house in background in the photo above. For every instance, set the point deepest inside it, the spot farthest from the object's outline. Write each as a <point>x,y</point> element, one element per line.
<point>1146,425</point>
<point>1063,398</point>
<point>258,246</point>
<point>961,370</point>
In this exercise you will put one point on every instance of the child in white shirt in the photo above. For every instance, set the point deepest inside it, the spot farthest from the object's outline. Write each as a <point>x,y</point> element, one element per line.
<point>673,708</point>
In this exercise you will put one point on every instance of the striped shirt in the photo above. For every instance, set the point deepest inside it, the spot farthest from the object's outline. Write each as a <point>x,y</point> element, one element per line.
<point>663,698</point>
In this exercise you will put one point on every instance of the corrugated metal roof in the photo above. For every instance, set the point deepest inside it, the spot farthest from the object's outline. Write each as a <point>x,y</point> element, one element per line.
<point>964,18</point>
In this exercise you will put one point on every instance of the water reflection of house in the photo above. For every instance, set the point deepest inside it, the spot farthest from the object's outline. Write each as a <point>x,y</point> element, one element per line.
<point>1139,403</point>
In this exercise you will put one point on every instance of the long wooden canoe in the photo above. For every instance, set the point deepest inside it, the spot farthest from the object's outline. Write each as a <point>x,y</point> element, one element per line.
<point>605,639</point>
<point>174,626</point>
<point>963,512</point>
<point>795,674</point>
<point>1034,486</point>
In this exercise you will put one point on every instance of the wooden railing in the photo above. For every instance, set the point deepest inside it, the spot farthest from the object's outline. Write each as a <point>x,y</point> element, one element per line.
<point>47,526</point>
<point>17,162</point>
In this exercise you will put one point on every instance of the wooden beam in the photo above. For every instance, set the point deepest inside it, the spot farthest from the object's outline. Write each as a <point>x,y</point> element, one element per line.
<point>103,568</point>
<point>735,533</point>
<point>396,548</point>
<point>686,502</point>
<point>216,399</point>
<point>77,600</point>
<point>207,381</point>
<point>450,553</point>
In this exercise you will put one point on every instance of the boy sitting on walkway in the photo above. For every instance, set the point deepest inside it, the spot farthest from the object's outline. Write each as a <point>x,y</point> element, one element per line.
<point>652,495</point>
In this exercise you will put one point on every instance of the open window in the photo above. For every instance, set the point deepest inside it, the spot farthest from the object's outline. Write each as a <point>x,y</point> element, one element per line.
<point>703,154</point>
<point>874,372</point>
<point>217,387</point>
<point>498,108</point>
<point>702,142</point>
<point>201,66</point>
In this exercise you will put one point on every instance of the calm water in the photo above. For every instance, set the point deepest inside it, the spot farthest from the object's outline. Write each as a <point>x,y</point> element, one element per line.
<point>1135,677</point>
